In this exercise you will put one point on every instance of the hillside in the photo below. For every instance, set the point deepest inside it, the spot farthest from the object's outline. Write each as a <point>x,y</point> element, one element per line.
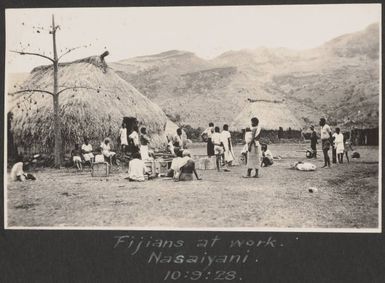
<point>338,79</point>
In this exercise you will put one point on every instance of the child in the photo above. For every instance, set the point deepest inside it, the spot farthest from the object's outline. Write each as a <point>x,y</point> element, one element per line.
<point>218,146</point>
<point>76,157</point>
<point>348,147</point>
<point>136,169</point>
<point>339,144</point>
<point>267,156</point>
<point>123,137</point>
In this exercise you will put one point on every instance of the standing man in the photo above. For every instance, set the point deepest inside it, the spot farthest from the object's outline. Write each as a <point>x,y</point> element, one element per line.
<point>253,158</point>
<point>326,133</point>
<point>208,134</point>
<point>313,141</point>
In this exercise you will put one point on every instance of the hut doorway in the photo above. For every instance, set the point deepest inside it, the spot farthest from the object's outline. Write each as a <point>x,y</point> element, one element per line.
<point>130,122</point>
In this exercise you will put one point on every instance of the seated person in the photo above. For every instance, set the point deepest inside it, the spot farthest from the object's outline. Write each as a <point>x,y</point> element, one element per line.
<point>76,154</point>
<point>17,173</point>
<point>87,151</point>
<point>187,170</point>
<point>170,146</point>
<point>99,157</point>
<point>267,156</point>
<point>136,168</point>
<point>106,150</point>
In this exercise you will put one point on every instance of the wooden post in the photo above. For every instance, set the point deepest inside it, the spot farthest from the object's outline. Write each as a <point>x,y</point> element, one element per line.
<point>56,106</point>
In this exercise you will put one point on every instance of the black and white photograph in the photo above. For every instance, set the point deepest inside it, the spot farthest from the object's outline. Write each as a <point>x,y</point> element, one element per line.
<point>209,118</point>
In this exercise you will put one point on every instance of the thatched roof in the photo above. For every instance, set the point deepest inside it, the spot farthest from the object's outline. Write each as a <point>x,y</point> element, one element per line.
<point>85,111</point>
<point>271,115</point>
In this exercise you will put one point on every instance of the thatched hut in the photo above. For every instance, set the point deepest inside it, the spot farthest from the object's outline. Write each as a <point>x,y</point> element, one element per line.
<point>272,115</point>
<point>94,109</point>
<point>276,120</point>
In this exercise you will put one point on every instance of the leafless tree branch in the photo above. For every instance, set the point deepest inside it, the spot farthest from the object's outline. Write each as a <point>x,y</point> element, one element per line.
<point>35,54</point>
<point>31,90</point>
<point>69,51</point>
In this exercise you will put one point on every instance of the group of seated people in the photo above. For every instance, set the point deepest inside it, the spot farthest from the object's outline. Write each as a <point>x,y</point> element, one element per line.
<point>86,154</point>
<point>182,168</point>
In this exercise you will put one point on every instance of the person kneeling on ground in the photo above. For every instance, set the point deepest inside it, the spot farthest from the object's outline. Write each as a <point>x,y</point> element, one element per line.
<point>267,156</point>
<point>136,168</point>
<point>76,154</point>
<point>17,173</point>
<point>187,170</point>
<point>175,165</point>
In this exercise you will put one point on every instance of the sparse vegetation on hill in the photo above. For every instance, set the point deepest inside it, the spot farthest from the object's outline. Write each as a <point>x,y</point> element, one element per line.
<point>338,80</point>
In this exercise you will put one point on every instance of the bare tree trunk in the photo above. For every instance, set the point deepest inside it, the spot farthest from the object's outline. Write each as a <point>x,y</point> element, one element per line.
<point>56,107</point>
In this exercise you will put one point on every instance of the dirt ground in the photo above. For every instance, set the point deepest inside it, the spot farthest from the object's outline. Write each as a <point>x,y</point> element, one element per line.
<point>346,196</point>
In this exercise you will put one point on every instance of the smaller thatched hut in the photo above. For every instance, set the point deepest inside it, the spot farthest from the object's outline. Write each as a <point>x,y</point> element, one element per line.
<point>276,120</point>
<point>272,116</point>
<point>94,109</point>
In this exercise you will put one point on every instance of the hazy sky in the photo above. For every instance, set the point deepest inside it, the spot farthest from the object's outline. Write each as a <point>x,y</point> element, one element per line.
<point>206,31</point>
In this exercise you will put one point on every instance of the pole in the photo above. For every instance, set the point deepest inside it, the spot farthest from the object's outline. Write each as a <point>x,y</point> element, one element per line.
<point>56,109</point>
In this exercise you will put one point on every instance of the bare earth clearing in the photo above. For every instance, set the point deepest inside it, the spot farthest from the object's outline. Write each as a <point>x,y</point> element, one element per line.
<point>347,197</point>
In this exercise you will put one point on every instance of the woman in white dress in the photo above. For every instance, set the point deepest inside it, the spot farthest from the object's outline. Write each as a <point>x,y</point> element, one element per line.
<point>123,137</point>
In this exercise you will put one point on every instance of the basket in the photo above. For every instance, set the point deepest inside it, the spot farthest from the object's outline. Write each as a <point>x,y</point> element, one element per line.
<point>101,169</point>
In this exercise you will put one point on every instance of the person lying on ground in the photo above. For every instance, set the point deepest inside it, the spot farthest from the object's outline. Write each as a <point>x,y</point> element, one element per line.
<point>17,173</point>
<point>187,170</point>
<point>136,168</point>
<point>304,166</point>
<point>76,154</point>
<point>267,156</point>
<point>87,151</point>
